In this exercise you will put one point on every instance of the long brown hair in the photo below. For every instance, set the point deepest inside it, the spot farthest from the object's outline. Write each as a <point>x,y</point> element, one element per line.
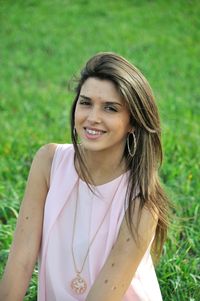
<point>145,120</point>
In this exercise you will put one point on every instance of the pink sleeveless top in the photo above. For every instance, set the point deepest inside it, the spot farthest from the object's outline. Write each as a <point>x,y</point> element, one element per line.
<point>56,268</point>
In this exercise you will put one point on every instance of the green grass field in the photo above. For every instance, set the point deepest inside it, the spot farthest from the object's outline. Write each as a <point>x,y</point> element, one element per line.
<point>44,43</point>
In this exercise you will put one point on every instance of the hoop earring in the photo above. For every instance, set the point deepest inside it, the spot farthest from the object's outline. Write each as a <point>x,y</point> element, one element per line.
<point>131,153</point>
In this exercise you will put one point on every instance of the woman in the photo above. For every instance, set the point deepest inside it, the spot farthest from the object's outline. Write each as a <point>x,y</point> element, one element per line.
<point>94,210</point>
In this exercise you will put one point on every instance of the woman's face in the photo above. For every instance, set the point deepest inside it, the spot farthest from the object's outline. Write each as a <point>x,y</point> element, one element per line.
<point>102,120</point>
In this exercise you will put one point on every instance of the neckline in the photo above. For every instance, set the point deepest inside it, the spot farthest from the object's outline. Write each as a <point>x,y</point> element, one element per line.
<point>100,186</point>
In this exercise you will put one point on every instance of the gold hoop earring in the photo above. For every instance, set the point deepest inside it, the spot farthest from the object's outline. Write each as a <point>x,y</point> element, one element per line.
<point>131,152</point>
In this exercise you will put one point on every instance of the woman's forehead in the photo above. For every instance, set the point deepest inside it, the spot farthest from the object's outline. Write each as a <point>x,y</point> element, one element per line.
<point>103,89</point>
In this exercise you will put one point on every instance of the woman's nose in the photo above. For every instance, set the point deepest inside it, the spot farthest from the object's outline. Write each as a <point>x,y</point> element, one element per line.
<point>94,115</point>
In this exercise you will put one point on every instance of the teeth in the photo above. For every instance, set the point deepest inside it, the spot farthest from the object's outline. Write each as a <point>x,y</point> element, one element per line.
<point>93,132</point>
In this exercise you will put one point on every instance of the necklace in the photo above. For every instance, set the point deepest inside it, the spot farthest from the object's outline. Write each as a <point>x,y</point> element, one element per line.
<point>79,284</point>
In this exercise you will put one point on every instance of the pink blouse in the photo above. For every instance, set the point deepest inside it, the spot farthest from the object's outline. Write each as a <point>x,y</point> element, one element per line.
<point>56,267</point>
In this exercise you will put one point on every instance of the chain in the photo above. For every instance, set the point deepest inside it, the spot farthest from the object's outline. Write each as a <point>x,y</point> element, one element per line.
<point>74,228</point>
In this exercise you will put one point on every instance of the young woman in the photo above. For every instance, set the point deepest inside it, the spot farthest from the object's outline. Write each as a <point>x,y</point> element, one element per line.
<point>95,209</point>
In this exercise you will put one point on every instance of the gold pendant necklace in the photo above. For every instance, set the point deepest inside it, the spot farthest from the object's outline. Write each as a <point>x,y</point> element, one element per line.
<point>79,284</point>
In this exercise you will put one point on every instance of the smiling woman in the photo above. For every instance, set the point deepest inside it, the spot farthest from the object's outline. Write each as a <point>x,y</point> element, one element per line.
<point>102,120</point>
<point>93,210</point>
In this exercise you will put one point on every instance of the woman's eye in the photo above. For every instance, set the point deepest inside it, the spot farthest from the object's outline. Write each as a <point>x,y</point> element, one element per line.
<point>110,108</point>
<point>84,102</point>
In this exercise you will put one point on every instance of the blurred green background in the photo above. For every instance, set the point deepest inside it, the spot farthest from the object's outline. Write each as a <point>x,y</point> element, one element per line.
<point>44,43</point>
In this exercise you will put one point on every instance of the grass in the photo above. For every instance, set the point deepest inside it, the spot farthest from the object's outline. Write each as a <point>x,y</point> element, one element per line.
<point>44,43</point>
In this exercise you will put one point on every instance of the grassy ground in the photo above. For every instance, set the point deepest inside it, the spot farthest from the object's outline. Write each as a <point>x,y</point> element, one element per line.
<point>43,43</point>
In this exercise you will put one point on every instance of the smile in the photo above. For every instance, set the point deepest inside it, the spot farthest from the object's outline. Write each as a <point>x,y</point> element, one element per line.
<point>94,132</point>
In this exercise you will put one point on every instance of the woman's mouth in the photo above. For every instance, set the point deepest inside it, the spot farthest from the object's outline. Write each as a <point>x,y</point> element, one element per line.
<point>93,133</point>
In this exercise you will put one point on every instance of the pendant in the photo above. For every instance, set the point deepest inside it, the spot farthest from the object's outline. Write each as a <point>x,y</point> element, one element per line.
<point>78,285</point>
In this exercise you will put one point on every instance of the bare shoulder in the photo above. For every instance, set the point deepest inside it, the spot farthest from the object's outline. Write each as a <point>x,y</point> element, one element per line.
<point>43,159</point>
<point>46,152</point>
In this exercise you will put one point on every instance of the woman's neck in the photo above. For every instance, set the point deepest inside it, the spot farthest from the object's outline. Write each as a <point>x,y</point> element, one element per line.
<point>102,167</point>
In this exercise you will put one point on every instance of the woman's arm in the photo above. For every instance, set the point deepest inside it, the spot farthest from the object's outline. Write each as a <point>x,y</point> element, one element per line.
<point>121,265</point>
<point>27,237</point>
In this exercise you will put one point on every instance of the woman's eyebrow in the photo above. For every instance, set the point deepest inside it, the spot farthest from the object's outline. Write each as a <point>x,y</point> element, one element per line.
<point>106,102</point>
<point>85,97</point>
<point>113,103</point>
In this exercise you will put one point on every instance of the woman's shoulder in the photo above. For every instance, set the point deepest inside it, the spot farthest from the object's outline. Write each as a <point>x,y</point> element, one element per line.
<point>46,152</point>
<point>44,158</point>
<point>50,155</point>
